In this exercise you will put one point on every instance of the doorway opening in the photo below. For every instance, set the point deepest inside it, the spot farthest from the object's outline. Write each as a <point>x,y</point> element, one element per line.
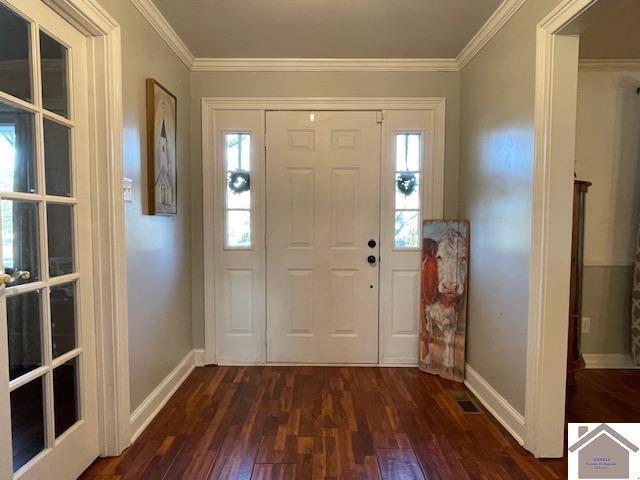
<point>585,222</point>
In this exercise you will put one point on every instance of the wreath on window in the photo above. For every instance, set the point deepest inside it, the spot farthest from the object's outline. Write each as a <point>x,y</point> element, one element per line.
<point>239,182</point>
<point>406,183</point>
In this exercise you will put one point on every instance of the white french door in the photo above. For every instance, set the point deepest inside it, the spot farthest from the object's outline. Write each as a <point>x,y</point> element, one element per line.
<point>322,236</point>
<point>48,419</point>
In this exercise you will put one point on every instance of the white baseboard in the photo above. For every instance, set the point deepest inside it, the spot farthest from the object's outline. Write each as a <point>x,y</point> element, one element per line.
<point>149,408</point>
<point>502,410</point>
<point>198,357</point>
<point>608,360</point>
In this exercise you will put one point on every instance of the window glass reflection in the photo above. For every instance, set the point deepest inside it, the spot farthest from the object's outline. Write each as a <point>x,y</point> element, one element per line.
<point>15,67</point>
<point>27,422</point>
<point>57,158</point>
<point>53,63</point>
<point>24,333</point>
<point>63,319</point>
<point>20,239</point>
<point>65,396</point>
<point>17,150</point>
<point>60,239</point>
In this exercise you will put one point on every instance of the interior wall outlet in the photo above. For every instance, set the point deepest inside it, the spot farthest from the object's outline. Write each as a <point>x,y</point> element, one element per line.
<point>586,324</point>
<point>127,189</point>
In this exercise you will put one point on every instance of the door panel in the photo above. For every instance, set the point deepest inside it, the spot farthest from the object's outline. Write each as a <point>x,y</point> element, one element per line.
<point>239,242</point>
<point>323,188</point>
<point>48,417</point>
<point>407,147</point>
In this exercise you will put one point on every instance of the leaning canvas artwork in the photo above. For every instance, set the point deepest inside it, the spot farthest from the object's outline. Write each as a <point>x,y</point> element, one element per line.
<point>161,150</point>
<point>443,302</point>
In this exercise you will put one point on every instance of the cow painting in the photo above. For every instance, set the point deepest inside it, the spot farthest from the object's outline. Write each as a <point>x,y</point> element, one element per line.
<point>443,305</point>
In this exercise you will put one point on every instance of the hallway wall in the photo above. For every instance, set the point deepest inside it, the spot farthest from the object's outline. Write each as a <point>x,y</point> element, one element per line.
<point>608,154</point>
<point>496,167</point>
<point>158,248</point>
<point>312,84</point>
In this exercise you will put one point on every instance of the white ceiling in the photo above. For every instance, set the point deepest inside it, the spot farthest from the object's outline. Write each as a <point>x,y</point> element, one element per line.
<point>326,28</point>
<point>609,29</point>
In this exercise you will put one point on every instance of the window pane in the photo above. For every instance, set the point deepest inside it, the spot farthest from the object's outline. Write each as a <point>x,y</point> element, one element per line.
<point>408,191</point>
<point>232,146</point>
<point>63,319</point>
<point>238,151</point>
<point>238,228</point>
<point>407,229</point>
<point>53,62</point>
<point>60,239</point>
<point>20,238</point>
<point>65,395</point>
<point>27,422</point>
<point>408,151</point>
<point>15,67</point>
<point>238,192</point>
<point>24,332</point>
<point>17,150</point>
<point>57,158</point>
<point>245,152</point>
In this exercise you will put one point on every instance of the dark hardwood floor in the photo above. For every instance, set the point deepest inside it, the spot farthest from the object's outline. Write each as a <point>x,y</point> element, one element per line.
<point>604,396</point>
<point>347,423</point>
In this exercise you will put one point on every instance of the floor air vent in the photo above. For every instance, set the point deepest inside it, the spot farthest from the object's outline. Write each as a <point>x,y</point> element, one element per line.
<point>464,401</point>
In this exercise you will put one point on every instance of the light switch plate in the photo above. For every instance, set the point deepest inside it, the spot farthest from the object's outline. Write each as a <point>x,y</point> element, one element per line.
<point>127,189</point>
<point>586,325</point>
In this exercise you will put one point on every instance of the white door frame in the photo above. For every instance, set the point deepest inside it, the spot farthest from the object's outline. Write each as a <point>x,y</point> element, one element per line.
<point>107,217</point>
<point>209,106</point>
<point>555,118</point>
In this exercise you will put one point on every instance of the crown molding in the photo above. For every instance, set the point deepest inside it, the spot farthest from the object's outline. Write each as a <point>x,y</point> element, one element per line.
<point>496,21</point>
<point>165,30</point>
<point>325,65</point>
<point>609,64</point>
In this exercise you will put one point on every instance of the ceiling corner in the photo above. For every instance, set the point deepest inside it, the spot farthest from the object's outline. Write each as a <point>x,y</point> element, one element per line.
<point>160,24</point>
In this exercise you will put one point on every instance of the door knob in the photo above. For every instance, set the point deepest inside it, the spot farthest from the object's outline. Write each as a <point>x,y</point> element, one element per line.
<point>6,279</point>
<point>371,243</point>
<point>371,259</point>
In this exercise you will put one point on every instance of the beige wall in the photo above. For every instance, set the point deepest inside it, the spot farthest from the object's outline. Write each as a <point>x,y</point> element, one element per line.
<point>158,248</point>
<point>496,160</point>
<point>608,154</point>
<point>607,302</point>
<point>317,84</point>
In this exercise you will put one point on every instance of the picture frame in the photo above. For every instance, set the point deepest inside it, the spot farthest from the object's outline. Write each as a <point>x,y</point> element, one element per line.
<point>162,150</point>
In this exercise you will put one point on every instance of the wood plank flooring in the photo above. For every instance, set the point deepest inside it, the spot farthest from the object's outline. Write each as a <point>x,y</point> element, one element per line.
<point>322,422</point>
<point>604,396</point>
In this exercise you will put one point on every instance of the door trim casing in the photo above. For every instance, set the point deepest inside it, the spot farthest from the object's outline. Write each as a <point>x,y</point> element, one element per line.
<point>107,217</point>
<point>212,104</point>
<point>553,175</point>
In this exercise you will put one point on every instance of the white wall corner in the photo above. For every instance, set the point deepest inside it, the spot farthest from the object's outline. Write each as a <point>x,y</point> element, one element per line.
<point>151,406</point>
<point>492,26</point>
<point>497,405</point>
<point>165,30</point>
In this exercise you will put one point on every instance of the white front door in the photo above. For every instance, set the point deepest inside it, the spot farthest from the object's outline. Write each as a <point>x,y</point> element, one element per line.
<point>48,419</point>
<point>322,236</point>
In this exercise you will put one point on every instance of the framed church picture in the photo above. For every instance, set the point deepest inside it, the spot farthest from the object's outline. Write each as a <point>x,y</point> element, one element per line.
<point>161,150</point>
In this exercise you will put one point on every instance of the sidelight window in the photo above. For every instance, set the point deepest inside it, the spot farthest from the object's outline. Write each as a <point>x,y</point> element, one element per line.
<point>237,158</point>
<point>408,195</point>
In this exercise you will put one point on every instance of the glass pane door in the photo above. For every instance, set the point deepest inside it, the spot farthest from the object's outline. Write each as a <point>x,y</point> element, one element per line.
<point>45,287</point>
